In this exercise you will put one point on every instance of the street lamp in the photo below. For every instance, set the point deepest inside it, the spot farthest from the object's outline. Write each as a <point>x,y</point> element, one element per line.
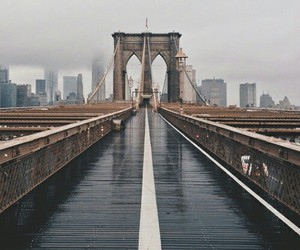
<point>155,97</point>
<point>181,67</point>
<point>130,85</point>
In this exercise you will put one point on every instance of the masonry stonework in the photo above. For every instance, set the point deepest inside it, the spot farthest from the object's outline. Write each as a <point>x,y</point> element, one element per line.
<point>165,45</point>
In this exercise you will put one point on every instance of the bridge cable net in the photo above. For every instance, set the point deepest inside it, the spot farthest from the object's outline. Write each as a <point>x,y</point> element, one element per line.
<point>150,62</point>
<point>154,98</point>
<point>164,92</point>
<point>175,45</point>
<point>128,88</point>
<point>195,89</point>
<point>102,80</point>
<point>190,81</point>
<point>128,94</point>
<point>141,84</point>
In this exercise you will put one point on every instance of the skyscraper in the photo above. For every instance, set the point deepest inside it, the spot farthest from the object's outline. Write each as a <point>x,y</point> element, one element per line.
<point>69,86</point>
<point>79,97</point>
<point>214,91</point>
<point>8,94</point>
<point>40,86</point>
<point>190,85</point>
<point>51,78</point>
<point>248,95</point>
<point>266,101</point>
<point>23,95</point>
<point>4,75</point>
<point>97,74</point>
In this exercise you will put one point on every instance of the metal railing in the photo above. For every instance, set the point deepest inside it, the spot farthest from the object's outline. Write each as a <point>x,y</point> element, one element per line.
<point>28,161</point>
<point>271,164</point>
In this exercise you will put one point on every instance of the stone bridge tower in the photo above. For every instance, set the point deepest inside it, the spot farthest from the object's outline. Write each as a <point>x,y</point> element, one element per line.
<point>131,44</point>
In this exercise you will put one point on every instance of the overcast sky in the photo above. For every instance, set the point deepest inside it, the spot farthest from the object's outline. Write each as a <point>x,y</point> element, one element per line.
<point>237,40</point>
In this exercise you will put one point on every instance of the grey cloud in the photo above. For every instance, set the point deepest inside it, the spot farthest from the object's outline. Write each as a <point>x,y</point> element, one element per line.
<point>240,41</point>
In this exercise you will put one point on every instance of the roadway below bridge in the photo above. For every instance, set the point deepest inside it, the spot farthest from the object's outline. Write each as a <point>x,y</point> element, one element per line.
<point>283,124</point>
<point>97,200</point>
<point>19,122</point>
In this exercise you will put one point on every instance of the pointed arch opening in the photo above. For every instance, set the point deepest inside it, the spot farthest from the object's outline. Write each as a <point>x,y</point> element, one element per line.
<point>159,76</point>
<point>133,70</point>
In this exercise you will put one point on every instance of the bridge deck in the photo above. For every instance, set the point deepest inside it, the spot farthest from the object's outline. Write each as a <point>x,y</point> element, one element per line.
<point>18,122</point>
<point>95,201</point>
<point>277,123</point>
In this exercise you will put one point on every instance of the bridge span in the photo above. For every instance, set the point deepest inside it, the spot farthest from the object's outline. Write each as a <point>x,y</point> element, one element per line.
<point>100,199</point>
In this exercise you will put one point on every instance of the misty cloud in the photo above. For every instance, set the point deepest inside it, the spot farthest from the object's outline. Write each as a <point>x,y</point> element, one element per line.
<point>239,41</point>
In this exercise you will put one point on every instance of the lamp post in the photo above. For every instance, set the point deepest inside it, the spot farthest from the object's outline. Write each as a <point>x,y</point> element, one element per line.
<point>155,97</point>
<point>130,85</point>
<point>181,67</point>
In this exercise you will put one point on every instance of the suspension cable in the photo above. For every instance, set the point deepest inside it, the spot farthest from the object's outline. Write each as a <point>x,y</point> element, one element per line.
<point>197,92</point>
<point>89,99</point>
<point>175,44</point>
<point>141,85</point>
<point>190,81</point>
<point>149,57</point>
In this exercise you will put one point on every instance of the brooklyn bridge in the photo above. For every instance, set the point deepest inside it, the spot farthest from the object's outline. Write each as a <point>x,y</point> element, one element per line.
<point>149,174</point>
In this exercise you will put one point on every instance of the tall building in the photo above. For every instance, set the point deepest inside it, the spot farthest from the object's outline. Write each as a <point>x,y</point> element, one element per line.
<point>23,95</point>
<point>8,94</point>
<point>284,104</point>
<point>41,96</point>
<point>214,91</point>
<point>189,93</point>
<point>248,95</point>
<point>4,74</point>
<point>69,86</point>
<point>51,78</point>
<point>97,74</point>
<point>266,101</point>
<point>34,100</point>
<point>198,98</point>
<point>40,86</point>
<point>79,97</point>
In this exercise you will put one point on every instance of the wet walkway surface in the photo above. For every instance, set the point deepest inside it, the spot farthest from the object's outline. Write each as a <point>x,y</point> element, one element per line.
<point>95,201</point>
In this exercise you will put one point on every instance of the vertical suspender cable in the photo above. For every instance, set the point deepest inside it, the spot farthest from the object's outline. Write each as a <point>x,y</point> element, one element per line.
<point>149,57</point>
<point>141,85</point>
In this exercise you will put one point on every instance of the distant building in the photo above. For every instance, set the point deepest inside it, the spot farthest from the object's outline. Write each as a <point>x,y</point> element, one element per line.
<point>198,98</point>
<point>214,91</point>
<point>79,97</point>
<point>8,94</point>
<point>189,93</point>
<point>42,99</point>
<point>34,100</point>
<point>284,104</point>
<point>248,95</point>
<point>23,95</point>
<point>58,96</point>
<point>97,74</point>
<point>4,75</point>
<point>266,101</point>
<point>51,77</point>
<point>40,90</point>
<point>71,98</point>
<point>69,86</point>
<point>40,86</point>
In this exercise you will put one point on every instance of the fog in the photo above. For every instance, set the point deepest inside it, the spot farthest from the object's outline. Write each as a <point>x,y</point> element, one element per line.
<point>238,41</point>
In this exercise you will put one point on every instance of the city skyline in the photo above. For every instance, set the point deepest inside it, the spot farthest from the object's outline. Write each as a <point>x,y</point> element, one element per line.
<point>254,42</point>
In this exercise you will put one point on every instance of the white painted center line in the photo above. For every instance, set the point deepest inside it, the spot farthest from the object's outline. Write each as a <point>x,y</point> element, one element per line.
<point>149,234</point>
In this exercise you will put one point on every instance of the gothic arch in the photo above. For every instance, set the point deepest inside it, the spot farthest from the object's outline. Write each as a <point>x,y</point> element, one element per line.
<point>165,45</point>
